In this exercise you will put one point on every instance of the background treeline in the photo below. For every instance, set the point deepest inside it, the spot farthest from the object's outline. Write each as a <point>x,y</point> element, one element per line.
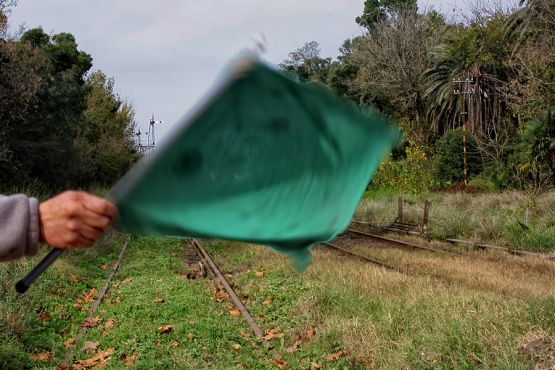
<point>61,125</point>
<point>407,64</point>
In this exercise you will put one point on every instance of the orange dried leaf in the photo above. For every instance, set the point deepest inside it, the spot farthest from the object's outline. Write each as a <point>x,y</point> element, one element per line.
<point>259,273</point>
<point>100,359</point>
<point>42,356</point>
<point>73,278</point>
<point>190,337</point>
<point>91,322</point>
<point>235,313</point>
<point>310,332</point>
<point>109,324</point>
<point>104,266</point>
<point>268,301</point>
<point>90,295</point>
<point>78,306</point>
<point>68,343</point>
<point>175,344</point>
<point>88,345</point>
<point>129,361</point>
<point>336,356</point>
<point>159,300</point>
<point>236,346</point>
<point>165,329</point>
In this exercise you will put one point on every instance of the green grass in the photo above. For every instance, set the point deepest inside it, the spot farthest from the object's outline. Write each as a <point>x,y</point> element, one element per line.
<point>484,217</point>
<point>479,316</point>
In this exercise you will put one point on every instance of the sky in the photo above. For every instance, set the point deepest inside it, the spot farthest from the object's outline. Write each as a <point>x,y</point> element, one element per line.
<point>164,55</point>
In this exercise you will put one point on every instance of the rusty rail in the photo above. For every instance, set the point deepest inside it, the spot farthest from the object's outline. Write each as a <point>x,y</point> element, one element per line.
<point>371,260</point>
<point>406,244</point>
<point>229,290</point>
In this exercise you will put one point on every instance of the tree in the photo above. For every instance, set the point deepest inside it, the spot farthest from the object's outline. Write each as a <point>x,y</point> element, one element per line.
<point>391,59</point>
<point>376,11</point>
<point>306,63</point>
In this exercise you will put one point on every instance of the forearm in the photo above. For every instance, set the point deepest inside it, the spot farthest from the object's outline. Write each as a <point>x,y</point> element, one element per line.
<point>19,226</point>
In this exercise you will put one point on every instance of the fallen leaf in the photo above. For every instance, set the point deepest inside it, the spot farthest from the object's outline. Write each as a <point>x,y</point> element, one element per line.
<point>42,356</point>
<point>310,332</point>
<point>88,346</point>
<point>235,313</point>
<point>129,361</point>
<point>175,344</point>
<point>244,335</point>
<point>89,296</point>
<point>190,337</point>
<point>100,359</point>
<point>165,329</point>
<point>109,324</point>
<point>159,300</point>
<point>297,344</point>
<point>260,316</point>
<point>104,266</point>
<point>68,343</point>
<point>281,364</point>
<point>336,356</point>
<point>219,299</point>
<point>259,273</point>
<point>73,278</point>
<point>41,311</point>
<point>268,301</point>
<point>91,322</point>
<point>272,334</point>
<point>236,346</point>
<point>78,306</point>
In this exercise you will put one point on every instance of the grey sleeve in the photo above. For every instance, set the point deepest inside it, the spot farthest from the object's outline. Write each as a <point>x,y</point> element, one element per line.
<point>19,226</point>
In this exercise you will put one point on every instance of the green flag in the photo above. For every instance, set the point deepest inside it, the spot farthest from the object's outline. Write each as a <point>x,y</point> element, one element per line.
<point>263,159</point>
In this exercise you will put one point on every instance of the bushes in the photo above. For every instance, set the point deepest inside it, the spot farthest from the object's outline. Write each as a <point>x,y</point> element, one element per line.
<point>409,175</point>
<point>448,163</point>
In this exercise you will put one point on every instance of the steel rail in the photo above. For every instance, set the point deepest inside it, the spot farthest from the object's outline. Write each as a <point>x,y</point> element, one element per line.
<point>221,278</point>
<point>368,259</point>
<point>483,246</point>
<point>406,244</point>
<point>94,307</point>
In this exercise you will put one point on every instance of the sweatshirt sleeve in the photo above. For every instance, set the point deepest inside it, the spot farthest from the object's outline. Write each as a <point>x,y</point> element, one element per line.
<point>19,226</point>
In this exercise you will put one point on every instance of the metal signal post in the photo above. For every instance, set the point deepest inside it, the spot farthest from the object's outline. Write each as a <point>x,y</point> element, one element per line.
<point>465,90</point>
<point>142,145</point>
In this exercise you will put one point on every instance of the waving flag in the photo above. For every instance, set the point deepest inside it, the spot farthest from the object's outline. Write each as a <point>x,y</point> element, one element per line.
<point>263,159</point>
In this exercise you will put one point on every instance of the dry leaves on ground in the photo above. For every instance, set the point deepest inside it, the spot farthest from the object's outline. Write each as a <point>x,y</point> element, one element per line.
<point>268,301</point>
<point>99,360</point>
<point>336,356</point>
<point>89,296</point>
<point>310,332</point>
<point>159,300</point>
<point>109,324</point>
<point>90,346</point>
<point>272,334</point>
<point>236,346</point>
<point>297,344</point>
<point>73,278</point>
<point>70,342</point>
<point>175,344</point>
<point>42,356</point>
<point>104,266</point>
<point>259,272</point>
<point>190,337</point>
<point>165,329</point>
<point>91,322</point>
<point>235,312</point>
<point>129,360</point>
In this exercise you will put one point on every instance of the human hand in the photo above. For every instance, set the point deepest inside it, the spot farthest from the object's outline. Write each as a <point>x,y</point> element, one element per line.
<point>74,219</point>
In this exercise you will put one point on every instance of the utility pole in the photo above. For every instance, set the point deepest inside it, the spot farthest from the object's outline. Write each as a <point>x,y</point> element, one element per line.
<point>150,138</point>
<point>464,89</point>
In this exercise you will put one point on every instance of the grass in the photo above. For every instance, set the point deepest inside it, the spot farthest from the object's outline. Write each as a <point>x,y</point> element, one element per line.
<point>511,218</point>
<point>489,311</point>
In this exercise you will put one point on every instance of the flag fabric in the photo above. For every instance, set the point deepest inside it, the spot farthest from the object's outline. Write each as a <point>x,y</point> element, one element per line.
<point>263,159</point>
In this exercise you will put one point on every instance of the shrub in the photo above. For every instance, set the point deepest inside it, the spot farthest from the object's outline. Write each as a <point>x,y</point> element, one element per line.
<point>448,164</point>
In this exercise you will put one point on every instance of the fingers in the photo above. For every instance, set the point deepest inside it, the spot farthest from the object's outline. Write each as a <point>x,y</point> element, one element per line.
<point>98,205</point>
<point>74,219</point>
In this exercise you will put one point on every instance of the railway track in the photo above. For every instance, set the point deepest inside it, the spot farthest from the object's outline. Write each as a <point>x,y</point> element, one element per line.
<point>480,246</point>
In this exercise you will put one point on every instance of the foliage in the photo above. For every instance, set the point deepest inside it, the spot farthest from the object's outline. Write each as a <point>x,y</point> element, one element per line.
<point>533,159</point>
<point>376,11</point>
<point>305,63</point>
<point>412,174</point>
<point>53,115</point>
<point>448,160</point>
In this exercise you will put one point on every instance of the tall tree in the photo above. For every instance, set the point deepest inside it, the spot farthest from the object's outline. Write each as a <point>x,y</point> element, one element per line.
<point>306,63</point>
<point>376,11</point>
